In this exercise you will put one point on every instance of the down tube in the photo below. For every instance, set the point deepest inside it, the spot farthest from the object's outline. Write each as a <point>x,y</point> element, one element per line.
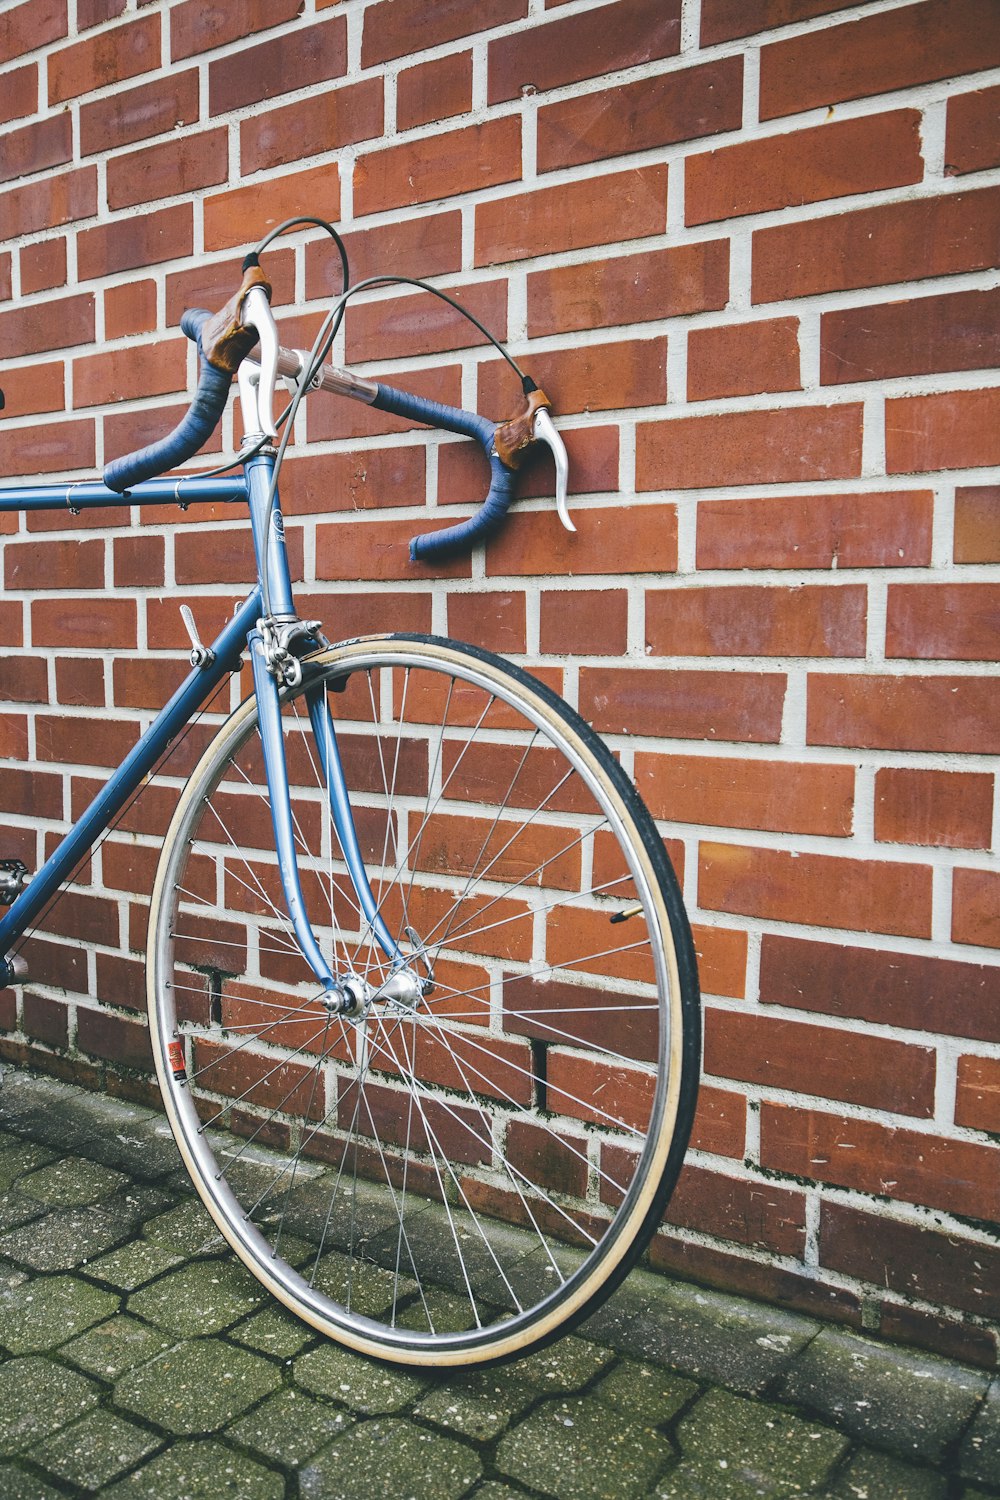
<point>196,688</point>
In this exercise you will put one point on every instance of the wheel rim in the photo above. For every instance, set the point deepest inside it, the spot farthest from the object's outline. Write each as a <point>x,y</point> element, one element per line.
<point>475,1169</point>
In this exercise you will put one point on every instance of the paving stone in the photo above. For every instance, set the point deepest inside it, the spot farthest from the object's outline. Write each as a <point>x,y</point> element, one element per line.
<point>733,1448</point>
<point>711,1336</point>
<point>186,1229</point>
<point>197,1386</point>
<point>369,1289</point>
<point>289,1427</point>
<point>878,1476</point>
<point>133,1265</point>
<point>71,1182</point>
<point>582,1448</point>
<point>20,1158</point>
<point>198,1299</point>
<point>494,1489</point>
<point>979,1457</point>
<point>95,1450</point>
<point>15,1484</point>
<point>356,1382</point>
<point>645,1393</point>
<point>479,1405</point>
<point>116,1346</point>
<point>199,1471</point>
<point>45,1109</point>
<point>567,1365</point>
<point>68,1238</point>
<point>395,1459</point>
<point>48,1311</point>
<point>273,1331</point>
<point>911,1403</point>
<point>140,1146</point>
<point>16,1209</point>
<point>37,1397</point>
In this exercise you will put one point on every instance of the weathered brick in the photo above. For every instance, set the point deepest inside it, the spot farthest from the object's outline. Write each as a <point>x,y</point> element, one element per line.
<point>111,1037</point>
<point>52,564</point>
<point>539,546</point>
<point>754,447</point>
<point>762,621</point>
<point>347,419</point>
<point>919,337</point>
<point>291,60</point>
<point>743,359</point>
<point>322,122</point>
<point>33,24</point>
<point>378,550</point>
<point>193,160</point>
<point>429,244</point>
<point>227,214</point>
<point>570,49</point>
<point>392,28</point>
<point>861,895</point>
<point>834,160</point>
<point>953,809</point>
<point>972,141</point>
<point>874,54</point>
<point>916,238</point>
<point>47,448</point>
<point>977,1096</point>
<point>903,713</point>
<point>138,561</point>
<point>80,682</point>
<point>975,908</point>
<point>124,52</point>
<point>591,622</point>
<point>626,288</point>
<point>591,377</point>
<point>879,529</point>
<point>130,373</point>
<point>684,704</point>
<point>953,430</point>
<point>683,105</point>
<point>725,792</point>
<point>435,90</point>
<point>83,623</point>
<point>368,480</point>
<point>62,199</point>
<point>20,92</point>
<point>195,27</point>
<point>130,308</point>
<point>34,388</point>
<point>140,239</point>
<point>723,20</point>
<point>129,115</point>
<point>32,148</point>
<point>957,621</point>
<point>977,524</point>
<point>396,327</point>
<point>572,216</point>
<point>45,1019</point>
<point>43,265</point>
<point>93,12</point>
<point>462,160</point>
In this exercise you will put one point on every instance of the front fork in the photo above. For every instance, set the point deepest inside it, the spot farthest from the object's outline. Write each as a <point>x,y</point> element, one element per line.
<point>344,993</point>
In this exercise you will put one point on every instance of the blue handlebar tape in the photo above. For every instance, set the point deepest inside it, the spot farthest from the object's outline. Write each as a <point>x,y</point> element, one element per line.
<point>435,546</point>
<point>190,434</point>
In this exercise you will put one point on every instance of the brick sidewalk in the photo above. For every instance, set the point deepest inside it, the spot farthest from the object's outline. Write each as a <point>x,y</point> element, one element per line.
<point>139,1359</point>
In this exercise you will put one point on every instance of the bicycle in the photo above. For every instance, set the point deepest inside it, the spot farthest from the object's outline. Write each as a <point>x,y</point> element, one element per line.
<point>422,995</point>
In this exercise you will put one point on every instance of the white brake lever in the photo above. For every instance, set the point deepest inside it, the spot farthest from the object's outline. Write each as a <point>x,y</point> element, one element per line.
<point>257,314</point>
<point>544,430</point>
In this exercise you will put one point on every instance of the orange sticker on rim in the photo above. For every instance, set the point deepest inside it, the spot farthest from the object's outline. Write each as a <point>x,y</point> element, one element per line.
<point>175,1055</point>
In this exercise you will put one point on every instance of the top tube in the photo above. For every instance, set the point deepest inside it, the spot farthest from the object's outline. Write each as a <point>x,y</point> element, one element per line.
<point>89,494</point>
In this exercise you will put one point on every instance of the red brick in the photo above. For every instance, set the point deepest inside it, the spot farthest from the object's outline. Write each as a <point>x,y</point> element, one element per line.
<point>591,622</point>
<point>126,431</point>
<point>953,430</point>
<point>957,621</point>
<point>227,215</point>
<point>20,92</point>
<point>743,359</point>
<point>719,1122</point>
<point>211,284</point>
<point>32,24</point>
<point>347,419</point>
<point>562,1012</point>
<point>569,49</point>
<point>972,140</point>
<point>369,479</point>
<point>912,1166</point>
<point>195,27</point>
<point>834,1064</point>
<point>762,1215</point>
<point>43,265</point>
<point>913,1259</point>
<point>397,327</point>
<point>50,201</point>
<point>680,106</point>
<point>428,245</point>
<point>23,679</point>
<point>964,1341</point>
<point>50,564</point>
<point>875,54</point>
<point>45,1019</point>
<point>881,529</point>
<point>225,555</point>
<point>138,561</point>
<point>977,1098</point>
<point>322,122</point>
<point>84,623</point>
<point>399,27</point>
<point>34,388</point>
<point>539,546</point>
<point>903,713</point>
<point>62,964</point>
<point>130,373</point>
<point>378,550</point>
<point>435,90</point>
<point>80,682</point>
<point>684,704</point>
<point>591,377</point>
<point>592,1089</point>
<point>786,886</point>
<point>139,239</point>
<point>130,308</point>
<point>294,59</point>
<point>625,288</point>
<point>442,1129</point>
<point>121,982</point>
<point>975,913</point>
<point>779,796</point>
<point>124,52</point>
<point>47,448</point>
<point>754,1277</point>
<point>977,524</point>
<point>919,337</point>
<point>464,475</point>
<point>917,238</point>
<point>191,161</point>
<point>462,160</point>
<point>549,1159</point>
<point>494,620</point>
<point>833,160</point>
<point>35,794</point>
<point>597,211</point>
<point>85,740</point>
<point>753,447</point>
<point>92,12</point>
<point>811,620</point>
<point>953,809</point>
<point>723,20</point>
<point>129,115</point>
<point>32,148</point>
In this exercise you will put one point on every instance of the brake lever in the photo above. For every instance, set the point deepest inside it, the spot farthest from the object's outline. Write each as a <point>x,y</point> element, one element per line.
<point>257,381</point>
<point>544,431</point>
<point>534,425</point>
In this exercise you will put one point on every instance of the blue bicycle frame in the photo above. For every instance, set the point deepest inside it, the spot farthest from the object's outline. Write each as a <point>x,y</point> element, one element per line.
<point>214,664</point>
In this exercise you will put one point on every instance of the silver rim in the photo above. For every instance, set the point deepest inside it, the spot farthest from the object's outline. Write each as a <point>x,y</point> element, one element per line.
<point>454,1181</point>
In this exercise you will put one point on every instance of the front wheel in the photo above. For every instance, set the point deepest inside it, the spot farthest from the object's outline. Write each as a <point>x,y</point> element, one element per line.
<point>458,1177</point>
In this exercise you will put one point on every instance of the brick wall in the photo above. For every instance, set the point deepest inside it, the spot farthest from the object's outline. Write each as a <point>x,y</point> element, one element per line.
<point>750,249</point>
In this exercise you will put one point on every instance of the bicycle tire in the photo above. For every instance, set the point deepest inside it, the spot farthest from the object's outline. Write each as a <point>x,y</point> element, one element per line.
<point>547,1081</point>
